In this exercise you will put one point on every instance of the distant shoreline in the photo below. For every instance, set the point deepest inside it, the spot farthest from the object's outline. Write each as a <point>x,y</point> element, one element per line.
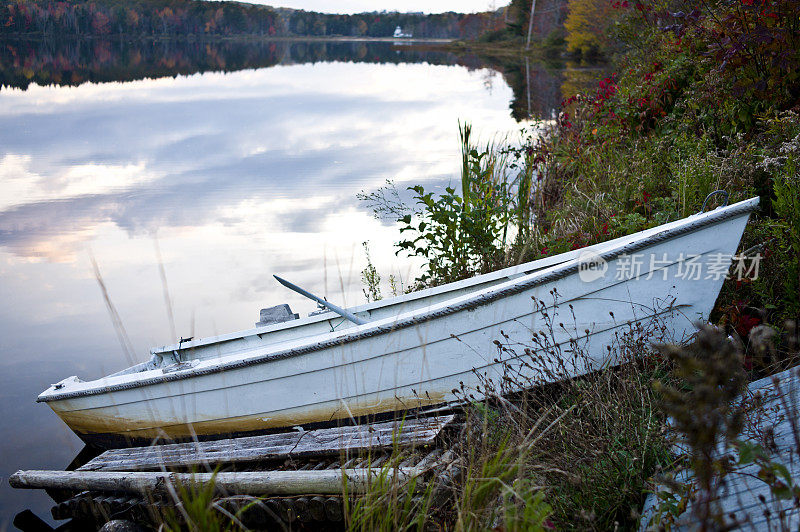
<point>217,38</point>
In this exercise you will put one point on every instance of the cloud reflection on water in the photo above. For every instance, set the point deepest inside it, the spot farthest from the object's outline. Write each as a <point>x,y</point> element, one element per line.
<point>171,156</point>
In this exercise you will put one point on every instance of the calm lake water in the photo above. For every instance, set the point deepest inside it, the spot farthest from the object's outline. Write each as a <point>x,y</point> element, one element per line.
<point>236,167</point>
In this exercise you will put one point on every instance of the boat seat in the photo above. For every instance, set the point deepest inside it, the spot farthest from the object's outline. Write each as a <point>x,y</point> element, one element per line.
<point>276,314</point>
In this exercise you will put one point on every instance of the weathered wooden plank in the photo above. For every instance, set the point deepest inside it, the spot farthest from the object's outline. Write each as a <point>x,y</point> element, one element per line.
<point>740,500</point>
<point>325,481</point>
<point>157,459</point>
<point>321,442</point>
<point>256,448</point>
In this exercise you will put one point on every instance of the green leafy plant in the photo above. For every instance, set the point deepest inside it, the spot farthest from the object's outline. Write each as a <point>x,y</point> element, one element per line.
<point>774,473</point>
<point>456,239</point>
<point>461,235</point>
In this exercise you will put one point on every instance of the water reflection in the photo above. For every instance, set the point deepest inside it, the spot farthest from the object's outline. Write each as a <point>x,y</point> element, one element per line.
<point>72,62</point>
<point>536,86</point>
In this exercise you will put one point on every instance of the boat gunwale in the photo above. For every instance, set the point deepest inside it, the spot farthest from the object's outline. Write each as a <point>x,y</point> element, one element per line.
<point>503,275</point>
<point>670,308</point>
<point>417,317</point>
<point>411,385</point>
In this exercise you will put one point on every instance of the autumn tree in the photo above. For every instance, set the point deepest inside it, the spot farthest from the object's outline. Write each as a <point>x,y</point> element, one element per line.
<point>361,28</point>
<point>101,25</point>
<point>587,26</point>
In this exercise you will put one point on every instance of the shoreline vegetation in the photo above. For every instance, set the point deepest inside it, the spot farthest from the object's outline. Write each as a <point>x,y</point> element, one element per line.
<point>704,95</point>
<point>235,38</point>
<point>416,42</point>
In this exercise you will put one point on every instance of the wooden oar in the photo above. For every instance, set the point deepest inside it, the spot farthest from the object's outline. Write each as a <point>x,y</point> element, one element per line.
<point>335,308</point>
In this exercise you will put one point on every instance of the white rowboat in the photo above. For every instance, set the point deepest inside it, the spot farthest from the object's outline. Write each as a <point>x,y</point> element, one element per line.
<point>415,350</point>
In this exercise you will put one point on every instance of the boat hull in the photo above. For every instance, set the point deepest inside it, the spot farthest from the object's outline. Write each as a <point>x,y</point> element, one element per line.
<point>435,356</point>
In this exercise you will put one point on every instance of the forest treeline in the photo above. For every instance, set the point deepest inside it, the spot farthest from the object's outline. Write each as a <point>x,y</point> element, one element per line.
<point>176,18</point>
<point>72,62</point>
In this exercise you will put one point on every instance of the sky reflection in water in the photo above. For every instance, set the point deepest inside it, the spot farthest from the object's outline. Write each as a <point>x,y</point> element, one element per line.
<point>238,175</point>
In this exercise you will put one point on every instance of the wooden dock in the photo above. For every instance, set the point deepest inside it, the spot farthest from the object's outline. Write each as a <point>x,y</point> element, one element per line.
<point>746,501</point>
<point>270,481</point>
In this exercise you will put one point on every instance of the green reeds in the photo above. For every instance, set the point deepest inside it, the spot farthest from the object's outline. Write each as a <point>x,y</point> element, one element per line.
<point>389,503</point>
<point>196,508</point>
<point>497,184</point>
<point>486,185</point>
<point>495,492</point>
